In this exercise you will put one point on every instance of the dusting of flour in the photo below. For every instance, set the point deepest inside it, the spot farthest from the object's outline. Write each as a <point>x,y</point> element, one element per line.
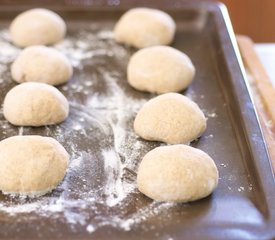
<point>99,189</point>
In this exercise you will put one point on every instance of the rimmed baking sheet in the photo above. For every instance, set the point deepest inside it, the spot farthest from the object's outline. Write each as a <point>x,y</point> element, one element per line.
<point>98,197</point>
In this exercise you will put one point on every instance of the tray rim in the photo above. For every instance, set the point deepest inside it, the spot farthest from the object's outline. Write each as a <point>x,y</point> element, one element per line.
<point>254,147</point>
<point>258,151</point>
<point>263,162</point>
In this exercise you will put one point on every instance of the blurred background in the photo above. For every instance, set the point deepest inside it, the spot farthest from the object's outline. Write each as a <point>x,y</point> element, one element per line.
<point>254,18</point>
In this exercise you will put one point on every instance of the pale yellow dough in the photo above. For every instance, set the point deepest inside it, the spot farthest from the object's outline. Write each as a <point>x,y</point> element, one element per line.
<point>37,26</point>
<point>160,69</point>
<point>144,27</point>
<point>177,173</point>
<point>31,165</point>
<point>35,104</point>
<point>170,118</point>
<point>41,64</point>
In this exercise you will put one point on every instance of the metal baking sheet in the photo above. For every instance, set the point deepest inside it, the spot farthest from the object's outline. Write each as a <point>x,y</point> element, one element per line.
<point>98,198</point>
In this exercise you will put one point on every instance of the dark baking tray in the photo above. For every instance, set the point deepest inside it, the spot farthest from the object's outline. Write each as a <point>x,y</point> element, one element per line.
<point>243,205</point>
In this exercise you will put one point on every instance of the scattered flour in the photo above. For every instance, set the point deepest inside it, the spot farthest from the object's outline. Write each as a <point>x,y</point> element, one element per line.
<point>241,188</point>
<point>99,186</point>
<point>90,228</point>
<point>113,168</point>
<point>211,114</point>
<point>223,165</point>
<point>99,189</point>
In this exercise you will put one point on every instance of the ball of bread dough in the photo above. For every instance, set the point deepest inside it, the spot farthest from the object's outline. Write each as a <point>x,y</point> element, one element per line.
<point>177,173</point>
<point>41,64</point>
<point>160,69</point>
<point>144,27</point>
<point>171,118</point>
<point>31,165</point>
<point>37,26</point>
<point>35,104</point>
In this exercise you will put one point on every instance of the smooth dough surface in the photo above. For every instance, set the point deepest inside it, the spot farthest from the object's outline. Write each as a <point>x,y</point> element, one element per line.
<point>37,26</point>
<point>35,104</point>
<point>171,118</point>
<point>31,165</point>
<point>144,27</point>
<point>41,64</point>
<point>177,173</point>
<point>160,69</point>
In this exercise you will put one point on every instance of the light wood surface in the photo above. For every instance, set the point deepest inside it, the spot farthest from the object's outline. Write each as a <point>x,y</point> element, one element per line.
<point>263,92</point>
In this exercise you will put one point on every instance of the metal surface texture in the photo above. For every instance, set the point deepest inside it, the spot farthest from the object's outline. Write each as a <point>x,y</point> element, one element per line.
<point>243,205</point>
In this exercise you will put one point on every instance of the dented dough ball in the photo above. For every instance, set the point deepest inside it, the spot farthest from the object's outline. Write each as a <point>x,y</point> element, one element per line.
<point>37,26</point>
<point>41,64</point>
<point>171,118</point>
<point>177,173</point>
<point>160,69</point>
<point>144,27</point>
<point>35,104</point>
<point>31,165</point>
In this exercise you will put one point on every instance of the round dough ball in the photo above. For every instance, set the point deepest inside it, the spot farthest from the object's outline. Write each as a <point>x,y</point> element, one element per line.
<point>171,118</point>
<point>37,26</point>
<point>41,64</point>
<point>160,69</point>
<point>35,104</point>
<point>144,27</point>
<point>177,173</point>
<point>31,165</point>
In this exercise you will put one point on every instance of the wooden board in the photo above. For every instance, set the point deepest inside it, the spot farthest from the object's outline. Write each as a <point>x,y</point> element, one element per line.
<point>263,92</point>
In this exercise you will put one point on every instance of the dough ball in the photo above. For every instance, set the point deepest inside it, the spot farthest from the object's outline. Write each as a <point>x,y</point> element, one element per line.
<point>177,173</point>
<point>171,118</point>
<point>160,69</point>
<point>41,64</point>
<point>144,27</point>
<point>37,26</point>
<point>35,104</point>
<point>31,165</point>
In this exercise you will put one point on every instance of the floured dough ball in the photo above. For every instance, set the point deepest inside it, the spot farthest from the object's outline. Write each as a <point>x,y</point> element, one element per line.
<point>171,118</point>
<point>177,173</point>
<point>41,64</point>
<point>160,69</point>
<point>31,165</point>
<point>37,26</point>
<point>35,104</point>
<point>144,27</point>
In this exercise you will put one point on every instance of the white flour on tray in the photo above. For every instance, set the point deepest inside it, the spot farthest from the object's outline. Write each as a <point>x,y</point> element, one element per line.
<point>100,182</point>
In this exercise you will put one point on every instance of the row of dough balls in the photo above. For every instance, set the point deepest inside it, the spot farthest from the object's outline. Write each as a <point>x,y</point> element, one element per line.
<point>180,151</point>
<point>155,68</point>
<point>35,165</point>
<point>177,173</point>
<point>34,102</point>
